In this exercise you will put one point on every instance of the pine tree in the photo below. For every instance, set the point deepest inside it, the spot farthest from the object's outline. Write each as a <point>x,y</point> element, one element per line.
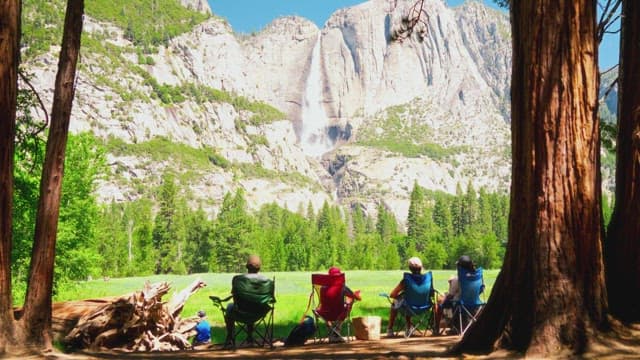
<point>416,227</point>
<point>164,225</point>
<point>443,219</point>
<point>458,212</point>
<point>231,233</point>
<point>470,209</point>
<point>199,245</point>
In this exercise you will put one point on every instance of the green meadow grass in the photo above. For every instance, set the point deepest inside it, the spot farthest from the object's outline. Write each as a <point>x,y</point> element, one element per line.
<point>292,293</point>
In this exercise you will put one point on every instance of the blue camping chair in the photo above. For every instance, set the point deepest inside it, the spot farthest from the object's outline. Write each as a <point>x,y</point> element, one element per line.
<point>466,310</point>
<point>418,304</point>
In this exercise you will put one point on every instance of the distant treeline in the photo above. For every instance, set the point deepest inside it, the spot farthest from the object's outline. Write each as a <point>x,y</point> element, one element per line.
<point>134,239</point>
<point>161,233</point>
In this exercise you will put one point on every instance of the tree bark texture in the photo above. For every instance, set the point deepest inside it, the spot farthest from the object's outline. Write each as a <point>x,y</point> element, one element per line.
<point>36,322</point>
<point>622,247</point>
<point>550,293</point>
<point>10,55</point>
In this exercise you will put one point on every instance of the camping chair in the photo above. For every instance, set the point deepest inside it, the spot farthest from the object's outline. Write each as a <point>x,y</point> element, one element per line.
<point>253,305</point>
<point>466,310</point>
<point>417,308</point>
<point>331,305</point>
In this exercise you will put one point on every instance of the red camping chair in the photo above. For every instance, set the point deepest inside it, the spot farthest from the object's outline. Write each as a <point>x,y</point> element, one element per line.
<point>332,305</point>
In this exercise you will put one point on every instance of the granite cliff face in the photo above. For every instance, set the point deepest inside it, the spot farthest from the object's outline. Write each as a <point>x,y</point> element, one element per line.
<point>334,86</point>
<point>454,65</point>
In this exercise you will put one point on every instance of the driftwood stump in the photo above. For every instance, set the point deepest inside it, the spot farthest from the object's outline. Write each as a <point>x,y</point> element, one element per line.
<point>140,321</point>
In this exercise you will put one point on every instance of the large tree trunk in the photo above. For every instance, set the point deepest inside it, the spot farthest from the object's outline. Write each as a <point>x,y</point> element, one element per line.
<point>36,322</point>
<point>550,293</point>
<point>10,55</point>
<point>622,247</point>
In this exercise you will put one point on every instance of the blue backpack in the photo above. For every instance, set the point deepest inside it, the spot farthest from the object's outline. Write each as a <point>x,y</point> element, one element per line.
<point>301,332</point>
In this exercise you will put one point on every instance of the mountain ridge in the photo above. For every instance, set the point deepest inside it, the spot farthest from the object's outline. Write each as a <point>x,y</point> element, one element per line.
<point>135,95</point>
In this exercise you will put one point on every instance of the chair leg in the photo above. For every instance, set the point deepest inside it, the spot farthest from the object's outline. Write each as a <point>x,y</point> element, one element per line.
<point>261,333</point>
<point>470,317</point>
<point>419,323</point>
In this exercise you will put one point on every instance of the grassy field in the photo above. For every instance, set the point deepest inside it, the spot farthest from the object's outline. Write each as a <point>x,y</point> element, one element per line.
<point>292,293</point>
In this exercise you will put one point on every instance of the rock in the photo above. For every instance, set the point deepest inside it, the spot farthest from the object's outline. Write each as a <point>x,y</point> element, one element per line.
<point>453,80</point>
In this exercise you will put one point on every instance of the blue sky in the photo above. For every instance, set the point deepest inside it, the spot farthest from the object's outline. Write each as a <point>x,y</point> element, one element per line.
<point>246,16</point>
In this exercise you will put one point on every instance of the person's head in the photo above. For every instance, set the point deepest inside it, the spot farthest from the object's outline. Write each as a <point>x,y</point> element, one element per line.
<point>465,262</point>
<point>334,271</point>
<point>415,265</point>
<point>253,264</point>
<point>201,314</point>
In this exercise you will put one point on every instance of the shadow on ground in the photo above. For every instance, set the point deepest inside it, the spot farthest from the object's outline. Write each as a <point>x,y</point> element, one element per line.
<point>415,347</point>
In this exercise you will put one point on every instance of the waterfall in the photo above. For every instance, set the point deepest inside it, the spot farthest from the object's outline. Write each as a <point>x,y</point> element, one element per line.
<point>313,137</point>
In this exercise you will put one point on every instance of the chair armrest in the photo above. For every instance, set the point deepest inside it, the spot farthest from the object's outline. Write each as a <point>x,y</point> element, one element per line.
<point>218,301</point>
<point>386,295</point>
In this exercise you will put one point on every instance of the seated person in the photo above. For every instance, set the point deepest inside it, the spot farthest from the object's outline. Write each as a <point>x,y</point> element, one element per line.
<point>447,302</point>
<point>347,298</point>
<point>203,330</point>
<point>253,268</point>
<point>351,295</point>
<point>415,267</point>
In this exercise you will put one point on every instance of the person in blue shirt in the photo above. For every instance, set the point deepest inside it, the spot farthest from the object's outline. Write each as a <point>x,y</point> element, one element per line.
<point>203,330</point>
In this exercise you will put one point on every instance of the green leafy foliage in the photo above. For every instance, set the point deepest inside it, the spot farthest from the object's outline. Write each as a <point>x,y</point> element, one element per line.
<point>147,23</point>
<point>232,233</point>
<point>175,239</point>
<point>441,227</point>
<point>84,163</point>
<point>76,254</point>
<point>41,25</point>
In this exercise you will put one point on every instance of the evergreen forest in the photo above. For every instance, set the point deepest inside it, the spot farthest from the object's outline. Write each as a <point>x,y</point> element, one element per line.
<point>161,233</point>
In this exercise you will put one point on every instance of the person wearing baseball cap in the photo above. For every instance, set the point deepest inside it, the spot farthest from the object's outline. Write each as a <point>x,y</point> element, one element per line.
<point>415,267</point>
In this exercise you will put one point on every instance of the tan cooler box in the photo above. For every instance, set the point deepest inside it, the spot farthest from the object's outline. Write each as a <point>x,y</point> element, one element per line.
<point>367,327</point>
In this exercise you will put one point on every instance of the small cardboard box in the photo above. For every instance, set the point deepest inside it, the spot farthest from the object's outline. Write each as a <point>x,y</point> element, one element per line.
<point>367,327</point>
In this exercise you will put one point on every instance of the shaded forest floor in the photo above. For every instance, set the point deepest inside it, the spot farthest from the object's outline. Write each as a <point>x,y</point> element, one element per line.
<point>623,345</point>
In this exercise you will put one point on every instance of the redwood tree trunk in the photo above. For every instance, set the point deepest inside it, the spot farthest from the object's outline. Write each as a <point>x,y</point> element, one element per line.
<point>622,247</point>
<point>36,322</point>
<point>10,55</point>
<point>550,293</point>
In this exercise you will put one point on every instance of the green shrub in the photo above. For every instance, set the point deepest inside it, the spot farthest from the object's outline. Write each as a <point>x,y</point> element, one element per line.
<point>404,136</point>
<point>259,140</point>
<point>146,23</point>
<point>163,149</point>
<point>41,25</point>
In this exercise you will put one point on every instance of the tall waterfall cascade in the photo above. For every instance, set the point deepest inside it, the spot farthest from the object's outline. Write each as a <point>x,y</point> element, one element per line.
<point>314,138</point>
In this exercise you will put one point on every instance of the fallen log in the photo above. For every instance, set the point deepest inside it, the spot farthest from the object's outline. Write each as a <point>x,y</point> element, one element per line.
<point>65,315</point>
<point>140,321</point>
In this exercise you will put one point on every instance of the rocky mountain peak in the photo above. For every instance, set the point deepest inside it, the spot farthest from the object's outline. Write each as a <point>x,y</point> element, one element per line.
<point>289,26</point>
<point>380,106</point>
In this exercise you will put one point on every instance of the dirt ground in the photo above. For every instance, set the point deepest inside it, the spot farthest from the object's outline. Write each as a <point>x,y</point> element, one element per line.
<point>396,348</point>
<point>622,345</point>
